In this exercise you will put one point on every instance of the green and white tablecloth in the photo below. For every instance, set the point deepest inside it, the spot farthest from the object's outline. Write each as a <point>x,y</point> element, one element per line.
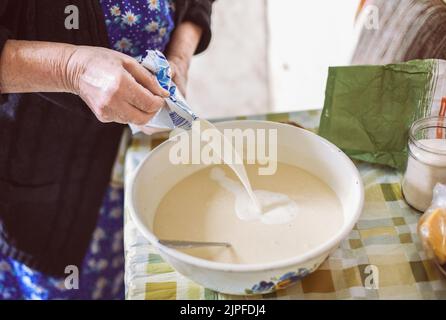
<point>384,237</point>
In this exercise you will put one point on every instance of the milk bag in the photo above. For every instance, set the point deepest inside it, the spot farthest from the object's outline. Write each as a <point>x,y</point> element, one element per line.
<point>175,113</point>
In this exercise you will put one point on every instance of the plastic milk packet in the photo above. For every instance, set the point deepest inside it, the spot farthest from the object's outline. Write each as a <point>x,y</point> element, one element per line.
<point>432,227</point>
<point>176,112</point>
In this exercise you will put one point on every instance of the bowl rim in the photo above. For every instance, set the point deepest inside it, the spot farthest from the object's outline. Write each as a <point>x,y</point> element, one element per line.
<point>229,267</point>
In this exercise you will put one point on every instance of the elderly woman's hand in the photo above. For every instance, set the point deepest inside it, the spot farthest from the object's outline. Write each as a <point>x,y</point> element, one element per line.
<point>115,87</point>
<point>180,70</point>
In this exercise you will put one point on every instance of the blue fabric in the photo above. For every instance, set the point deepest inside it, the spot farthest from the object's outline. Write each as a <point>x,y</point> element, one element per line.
<point>133,27</point>
<point>102,273</point>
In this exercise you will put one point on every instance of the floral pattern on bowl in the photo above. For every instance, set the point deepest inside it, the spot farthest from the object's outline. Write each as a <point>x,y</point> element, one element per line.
<point>281,282</point>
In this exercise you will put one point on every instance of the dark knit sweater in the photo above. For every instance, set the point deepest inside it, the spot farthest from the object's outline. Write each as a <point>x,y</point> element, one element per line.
<point>55,156</point>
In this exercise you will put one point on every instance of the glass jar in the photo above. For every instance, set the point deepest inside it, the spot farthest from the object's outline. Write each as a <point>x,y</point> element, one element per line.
<point>426,165</point>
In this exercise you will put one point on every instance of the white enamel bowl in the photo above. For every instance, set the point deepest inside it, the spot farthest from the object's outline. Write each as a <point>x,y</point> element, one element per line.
<point>155,176</point>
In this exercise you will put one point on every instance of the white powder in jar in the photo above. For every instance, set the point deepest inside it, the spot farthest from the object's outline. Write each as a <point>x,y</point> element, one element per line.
<point>426,167</point>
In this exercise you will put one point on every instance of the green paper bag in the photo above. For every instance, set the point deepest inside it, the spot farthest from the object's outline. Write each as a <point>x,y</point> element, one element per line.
<point>368,110</point>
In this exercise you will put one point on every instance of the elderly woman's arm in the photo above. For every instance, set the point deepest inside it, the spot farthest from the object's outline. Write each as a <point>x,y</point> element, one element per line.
<point>113,85</point>
<point>182,46</point>
<point>191,36</point>
<point>34,67</point>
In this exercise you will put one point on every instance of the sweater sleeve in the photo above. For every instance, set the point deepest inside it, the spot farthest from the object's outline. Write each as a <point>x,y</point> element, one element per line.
<point>5,34</point>
<point>199,12</point>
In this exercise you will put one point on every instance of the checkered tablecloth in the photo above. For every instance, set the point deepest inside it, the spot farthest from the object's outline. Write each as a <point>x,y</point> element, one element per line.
<point>384,243</point>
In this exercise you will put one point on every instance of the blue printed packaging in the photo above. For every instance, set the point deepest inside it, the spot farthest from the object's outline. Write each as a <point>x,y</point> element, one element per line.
<point>176,113</point>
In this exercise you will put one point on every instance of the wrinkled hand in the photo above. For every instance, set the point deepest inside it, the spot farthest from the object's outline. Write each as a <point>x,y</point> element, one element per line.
<point>180,71</point>
<point>115,86</point>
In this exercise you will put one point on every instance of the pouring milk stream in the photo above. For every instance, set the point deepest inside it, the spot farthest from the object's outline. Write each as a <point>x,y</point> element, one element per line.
<point>268,207</point>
